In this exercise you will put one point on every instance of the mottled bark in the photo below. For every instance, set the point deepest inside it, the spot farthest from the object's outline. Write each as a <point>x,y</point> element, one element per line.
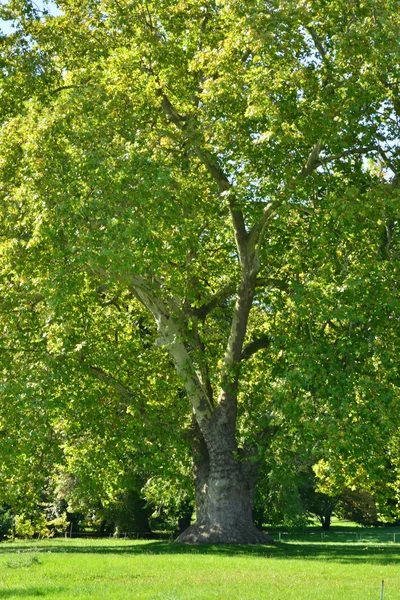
<point>224,484</point>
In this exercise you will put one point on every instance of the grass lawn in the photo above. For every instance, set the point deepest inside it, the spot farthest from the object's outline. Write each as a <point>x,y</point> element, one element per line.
<point>62,569</point>
<point>340,531</point>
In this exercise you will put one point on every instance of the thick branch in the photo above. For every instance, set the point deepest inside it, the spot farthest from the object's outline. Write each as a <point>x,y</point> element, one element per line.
<point>253,347</point>
<point>110,380</point>
<point>257,233</point>
<point>280,284</point>
<point>216,300</point>
<point>194,138</point>
<point>233,353</point>
<point>228,291</point>
<point>312,161</point>
<point>318,44</point>
<point>327,159</point>
<point>171,336</point>
<point>64,87</point>
<point>387,160</point>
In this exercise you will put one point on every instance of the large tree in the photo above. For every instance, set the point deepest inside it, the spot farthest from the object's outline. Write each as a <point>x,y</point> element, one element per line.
<point>187,157</point>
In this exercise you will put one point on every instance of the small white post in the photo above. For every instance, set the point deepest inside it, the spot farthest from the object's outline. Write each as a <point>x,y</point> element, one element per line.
<point>394,538</point>
<point>279,536</point>
<point>382,588</point>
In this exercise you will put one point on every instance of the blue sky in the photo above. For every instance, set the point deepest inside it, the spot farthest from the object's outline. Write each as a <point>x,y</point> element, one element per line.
<point>7,26</point>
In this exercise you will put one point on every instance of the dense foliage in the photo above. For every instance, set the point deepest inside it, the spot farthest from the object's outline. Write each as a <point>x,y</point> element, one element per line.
<point>224,172</point>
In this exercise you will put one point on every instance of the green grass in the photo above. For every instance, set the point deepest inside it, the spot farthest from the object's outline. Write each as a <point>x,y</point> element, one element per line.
<point>340,531</point>
<point>122,569</point>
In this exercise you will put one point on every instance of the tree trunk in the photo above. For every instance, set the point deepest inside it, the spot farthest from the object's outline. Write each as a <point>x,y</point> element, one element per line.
<point>326,521</point>
<point>224,484</point>
<point>224,478</point>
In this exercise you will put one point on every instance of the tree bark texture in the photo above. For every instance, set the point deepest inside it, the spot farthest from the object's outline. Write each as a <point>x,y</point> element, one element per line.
<point>224,486</point>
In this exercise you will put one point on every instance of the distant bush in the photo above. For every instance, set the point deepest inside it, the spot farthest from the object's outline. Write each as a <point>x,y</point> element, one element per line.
<point>358,506</point>
<point>26,527</point>
<point>6,521</point>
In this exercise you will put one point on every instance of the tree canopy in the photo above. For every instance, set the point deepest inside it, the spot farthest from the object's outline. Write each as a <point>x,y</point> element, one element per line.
<point>200,221</point>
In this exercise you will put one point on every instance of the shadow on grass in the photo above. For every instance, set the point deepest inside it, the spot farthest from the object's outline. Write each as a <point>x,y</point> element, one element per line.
<point>339,552</point>
<point>38,592</point>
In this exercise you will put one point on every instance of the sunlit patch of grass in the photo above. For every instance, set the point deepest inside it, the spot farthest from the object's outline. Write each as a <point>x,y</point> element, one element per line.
<point>123,569</point>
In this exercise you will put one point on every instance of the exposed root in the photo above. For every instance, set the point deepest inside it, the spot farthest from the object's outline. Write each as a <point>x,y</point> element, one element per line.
<point>217,534</point>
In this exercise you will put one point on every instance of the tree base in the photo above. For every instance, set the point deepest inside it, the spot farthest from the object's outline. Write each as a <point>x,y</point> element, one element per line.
<point>217,534</point>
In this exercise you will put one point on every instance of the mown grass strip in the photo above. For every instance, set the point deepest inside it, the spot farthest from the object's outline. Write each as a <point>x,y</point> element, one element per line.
<point>123,569</point>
